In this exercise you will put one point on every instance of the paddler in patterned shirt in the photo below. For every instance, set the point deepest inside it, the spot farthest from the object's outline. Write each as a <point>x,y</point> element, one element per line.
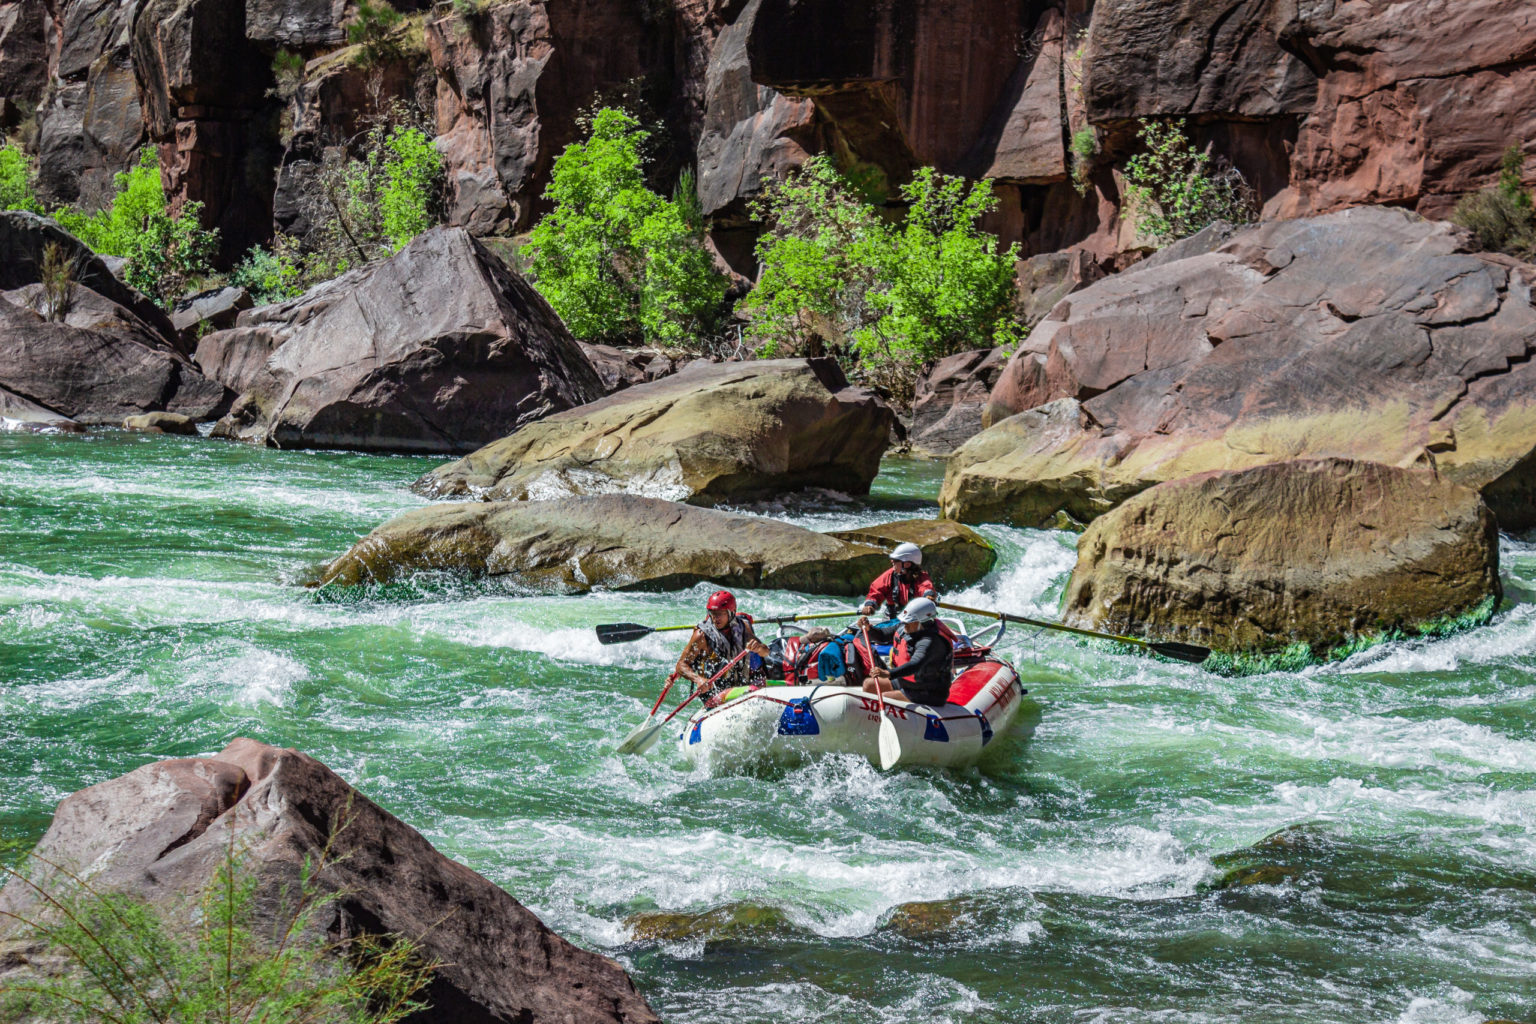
<point>715,641</point>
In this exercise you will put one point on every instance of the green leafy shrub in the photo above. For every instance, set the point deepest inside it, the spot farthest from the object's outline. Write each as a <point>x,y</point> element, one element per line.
<point>164,254</point>
<point>617,261</point>
<point>270,275</point>
<point>1085,146</point>
<point>885,298</point>
<point>16,191</point>
<point>130,961</point>
<point>287,74</point>
<point>1176,190</point>
<point>1504,217</point>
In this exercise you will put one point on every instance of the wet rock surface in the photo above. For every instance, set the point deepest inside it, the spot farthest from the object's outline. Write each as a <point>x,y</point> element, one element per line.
<point>1369,334</point>
<point>163,831</point>
<point>711,432</point>
<point>1313,552</point>
<point>377,359</point>
<point>613,541</point>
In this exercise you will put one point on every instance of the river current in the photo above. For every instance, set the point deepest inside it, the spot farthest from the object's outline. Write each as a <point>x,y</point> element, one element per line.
<point>150,608</point>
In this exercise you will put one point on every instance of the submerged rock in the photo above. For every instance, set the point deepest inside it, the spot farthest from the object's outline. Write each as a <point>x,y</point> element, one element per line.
<point>618,541</point>
<point>439,349</point>
<point>163,831</point>
<point>711,432</point>
<point>955,556</point>
<point>1368,334</point>
<point>732,921</point>
<point>1315,552</point>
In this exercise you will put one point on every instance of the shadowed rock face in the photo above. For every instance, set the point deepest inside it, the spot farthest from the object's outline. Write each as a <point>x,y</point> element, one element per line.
<point>1314,551</point>
<point>950,398</point>
<point>108,353</point>
<point>1367,334</point>
<point>161,832</point>
<point>711,432</point>
<point>440,349</point>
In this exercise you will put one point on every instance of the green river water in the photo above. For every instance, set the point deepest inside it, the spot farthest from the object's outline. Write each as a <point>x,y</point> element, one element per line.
<point>149,609</point>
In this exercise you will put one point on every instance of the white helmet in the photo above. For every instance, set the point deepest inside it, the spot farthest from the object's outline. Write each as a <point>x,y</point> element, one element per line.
<point>919,609</point>
<point>907,552</point>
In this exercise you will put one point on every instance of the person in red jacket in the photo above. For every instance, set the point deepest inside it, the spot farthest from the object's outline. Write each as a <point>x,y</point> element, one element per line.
<point>900,585</point>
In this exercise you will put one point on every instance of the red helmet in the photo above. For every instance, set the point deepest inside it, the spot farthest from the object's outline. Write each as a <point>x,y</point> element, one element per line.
<point>722,599</point>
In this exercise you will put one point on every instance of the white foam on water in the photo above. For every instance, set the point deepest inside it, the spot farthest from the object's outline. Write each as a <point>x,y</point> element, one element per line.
<point>1447,745</point>
<point>1452,1007</point>
<point>1511,635</point>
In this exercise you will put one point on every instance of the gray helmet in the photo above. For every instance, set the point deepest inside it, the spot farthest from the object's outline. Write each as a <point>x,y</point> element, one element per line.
<point>907,552</point>
<point>919,609</point>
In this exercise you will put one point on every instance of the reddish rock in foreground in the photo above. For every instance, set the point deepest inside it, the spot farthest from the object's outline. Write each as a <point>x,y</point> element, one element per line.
<point>162,831</point>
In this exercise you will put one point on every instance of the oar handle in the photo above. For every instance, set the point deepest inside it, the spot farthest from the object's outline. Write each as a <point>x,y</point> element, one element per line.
<point>707,684</point>
<point>664,691</point>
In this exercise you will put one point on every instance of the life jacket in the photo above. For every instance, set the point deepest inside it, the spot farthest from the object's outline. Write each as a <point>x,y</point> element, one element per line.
<point>903,590</point>
<point>723,645</point>
<point>936,676</point>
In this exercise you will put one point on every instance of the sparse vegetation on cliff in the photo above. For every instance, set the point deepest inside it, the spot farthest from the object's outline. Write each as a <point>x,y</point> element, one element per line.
<point>617,261</point>
<point>885,298</point>
<point>1503,217</point>
<point>1175,190</point>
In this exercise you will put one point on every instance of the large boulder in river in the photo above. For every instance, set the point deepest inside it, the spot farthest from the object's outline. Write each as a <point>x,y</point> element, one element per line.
<point>440,349</point>
<point>162,833</point>
<point>954,556</point>
<point>1369,334</point>
<point>616,541</point>
<point>1316,552</point>
<point>711,432</point>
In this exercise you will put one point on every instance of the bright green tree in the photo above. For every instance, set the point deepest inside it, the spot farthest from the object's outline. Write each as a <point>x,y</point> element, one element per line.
<point>614,259</point>
<point>413,173</point>
<point>886,298</point>
<point>164,254</point>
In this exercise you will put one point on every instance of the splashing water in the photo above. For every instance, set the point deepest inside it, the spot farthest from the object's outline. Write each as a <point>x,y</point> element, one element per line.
<point>149,609</point>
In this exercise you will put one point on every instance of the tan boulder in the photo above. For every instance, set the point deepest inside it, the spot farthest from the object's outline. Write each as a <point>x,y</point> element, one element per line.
<point>1316,552</point>
<point>955,556</point>
<point>162,423</point>
<point>617,541</point>
<point>1368,334</point>
<point>711,432</point>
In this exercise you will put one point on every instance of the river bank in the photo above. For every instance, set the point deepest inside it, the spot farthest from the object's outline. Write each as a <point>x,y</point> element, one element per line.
<point>149,608</point>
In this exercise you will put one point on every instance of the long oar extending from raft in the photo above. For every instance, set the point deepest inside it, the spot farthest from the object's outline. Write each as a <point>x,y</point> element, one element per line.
<point>1192,653</point>
<point>643,737</point>
<point>624,632</point>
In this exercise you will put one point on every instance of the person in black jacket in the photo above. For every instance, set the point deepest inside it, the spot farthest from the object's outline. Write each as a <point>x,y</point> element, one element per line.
<point>923,659</point>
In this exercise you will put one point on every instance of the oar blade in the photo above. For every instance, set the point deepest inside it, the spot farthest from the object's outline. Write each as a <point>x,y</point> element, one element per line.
<point>640,738</point>
<point>1191,653</point>
<point>890,743</point>
<point>651,738</point>
<point>622,632</point>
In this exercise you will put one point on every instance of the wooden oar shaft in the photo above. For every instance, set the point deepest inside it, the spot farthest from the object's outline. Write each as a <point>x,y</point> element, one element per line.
<point>1045,624</point>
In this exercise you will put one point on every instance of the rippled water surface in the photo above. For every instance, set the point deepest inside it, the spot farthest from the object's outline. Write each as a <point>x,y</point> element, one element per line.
<point>149,609</point>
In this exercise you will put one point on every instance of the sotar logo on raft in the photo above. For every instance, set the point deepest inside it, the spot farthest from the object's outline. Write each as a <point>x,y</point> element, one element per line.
<point>1004,695</point>
<point>873,704</point>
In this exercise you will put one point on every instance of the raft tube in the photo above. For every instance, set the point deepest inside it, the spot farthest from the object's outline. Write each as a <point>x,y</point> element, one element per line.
<point>790,722</point>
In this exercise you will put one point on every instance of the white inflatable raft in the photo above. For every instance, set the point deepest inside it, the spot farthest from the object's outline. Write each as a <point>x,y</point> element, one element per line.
<point>788,722</point>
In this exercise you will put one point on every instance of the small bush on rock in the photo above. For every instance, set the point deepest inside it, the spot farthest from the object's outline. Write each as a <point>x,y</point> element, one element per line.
<point>372,30</point>
<point>16,175</point>
<point>1176,190</point>
<point>1504,217</point>
<point>617,261</point>
<point>270,275</point>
